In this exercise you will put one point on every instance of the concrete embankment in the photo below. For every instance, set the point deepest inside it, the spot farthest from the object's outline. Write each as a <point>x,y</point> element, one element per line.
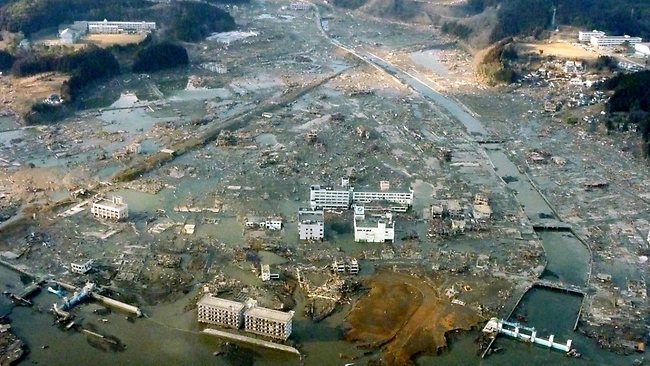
<point>254,341</point>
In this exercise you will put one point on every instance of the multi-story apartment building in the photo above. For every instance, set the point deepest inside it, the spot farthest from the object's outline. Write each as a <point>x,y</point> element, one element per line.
<point>268,322</point>
<point>373,229</point>
<point>214,310</point>
<point>328,198</point>
<point>311,224</point>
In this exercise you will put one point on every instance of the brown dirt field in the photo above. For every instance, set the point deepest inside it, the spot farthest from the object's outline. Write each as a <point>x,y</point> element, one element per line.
<point>19,94</point>
<point>107,40</point>
<point>406,315</point>
<point>558,49</point>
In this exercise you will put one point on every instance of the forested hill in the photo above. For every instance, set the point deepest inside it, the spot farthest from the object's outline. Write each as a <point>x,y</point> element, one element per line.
<point>526,17</point>
<point>186,21</point>
<point>510,18</point>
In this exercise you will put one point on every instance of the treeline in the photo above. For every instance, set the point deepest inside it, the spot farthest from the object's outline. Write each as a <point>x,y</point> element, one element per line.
<point>349,4</point>
<point>84,66</point>
<point>182,20</point>
<point>630,92</point>
<point>194,21</point>
<point>530,17</point>
<point>29,16</point>
<point>632,96</point>
<point>495,67</point>
<point>459,30</point>
<point>6,60</point>
<point>160,56</point>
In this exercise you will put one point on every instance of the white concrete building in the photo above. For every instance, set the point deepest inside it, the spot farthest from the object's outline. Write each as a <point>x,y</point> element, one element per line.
<point>115,209</point>
<point>373,229</point>
<point>273,223</point>
<point>268,322</point>
<point>266,272</point>
<point>328,198</point>
<point>69,36</point>
<point>81,268</point>
<point>311,224</point>
<point>573,67</point>
<point>586,36</point>
<point>342,266</point>
<point>609,41</point>
<point>269,223</point>
<point>109,27</point>
<point>394,196</point>
<point>642,49</point>
<point>214,310</point>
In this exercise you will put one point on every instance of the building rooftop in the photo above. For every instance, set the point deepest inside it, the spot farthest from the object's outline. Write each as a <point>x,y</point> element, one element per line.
<point>275,315</point>
<point>110,203</point>
<point>372,221</point>
<point>209,300</point>
<point>377,190</point>
<point>310,216</point>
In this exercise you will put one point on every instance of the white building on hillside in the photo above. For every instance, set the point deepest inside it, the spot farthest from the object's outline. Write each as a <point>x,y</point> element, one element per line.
<point>586,36</point>
<point>642,49</point>
<point>609,41</point>
<point>115,209</point>
<point>108,27</point>
<point>373,229</point>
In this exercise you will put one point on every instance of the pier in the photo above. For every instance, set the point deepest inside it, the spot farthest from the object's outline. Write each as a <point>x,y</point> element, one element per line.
<point>116,304</point>
<point>254,341</point>
<point>103,299</point>
<point>498,326</point>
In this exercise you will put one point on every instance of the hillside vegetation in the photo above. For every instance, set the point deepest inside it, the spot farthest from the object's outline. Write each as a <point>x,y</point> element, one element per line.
<point>527,17</point>
<point>184,21</point>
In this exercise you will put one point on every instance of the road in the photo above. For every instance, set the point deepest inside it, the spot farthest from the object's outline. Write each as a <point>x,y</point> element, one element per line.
<point>414,80</point>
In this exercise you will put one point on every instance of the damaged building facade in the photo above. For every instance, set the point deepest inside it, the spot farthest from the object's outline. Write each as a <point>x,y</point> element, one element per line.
<point>255,319</point>
<point>373,228</point>
<point>328,198</point>
<point>113,209</point>
<point>311,224</point>
<point>218,311</point>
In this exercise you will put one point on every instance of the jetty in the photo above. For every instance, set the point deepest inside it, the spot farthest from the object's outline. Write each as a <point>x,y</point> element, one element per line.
<point>250,340</point>
<point>496,326</point>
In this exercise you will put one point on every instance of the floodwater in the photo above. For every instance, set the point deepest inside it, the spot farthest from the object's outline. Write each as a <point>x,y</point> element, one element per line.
<point>170,334</point>
<point>568,258</point>
<point>531,201</point>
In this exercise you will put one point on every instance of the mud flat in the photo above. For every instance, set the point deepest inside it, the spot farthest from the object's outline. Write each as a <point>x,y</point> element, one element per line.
<point>405,316</point>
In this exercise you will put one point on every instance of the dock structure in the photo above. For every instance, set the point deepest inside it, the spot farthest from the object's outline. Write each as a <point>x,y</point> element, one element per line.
<point>92,294</point>
<point>250,340</point>
<point>498,326</point>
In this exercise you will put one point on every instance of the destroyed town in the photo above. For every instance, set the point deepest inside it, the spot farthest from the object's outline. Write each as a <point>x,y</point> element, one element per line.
<point>346,182</point>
